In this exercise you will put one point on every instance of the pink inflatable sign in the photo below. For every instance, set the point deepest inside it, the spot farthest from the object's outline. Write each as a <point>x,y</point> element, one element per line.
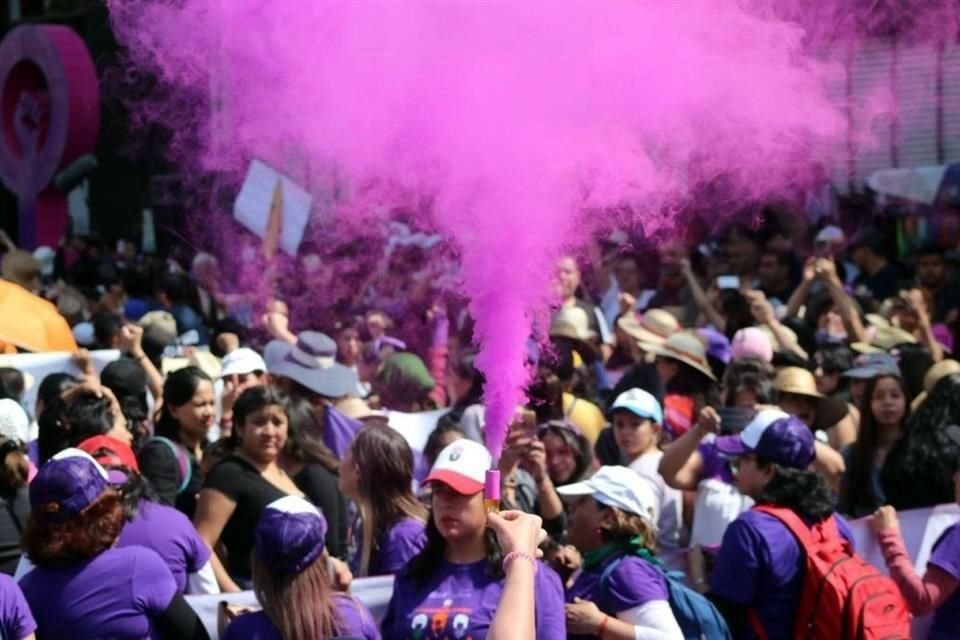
<point>49,117</point>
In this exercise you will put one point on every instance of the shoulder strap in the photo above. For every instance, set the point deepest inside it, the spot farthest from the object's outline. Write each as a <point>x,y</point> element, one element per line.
<point>790,520</point>
<point>183,461</point>
<point>609,569</point>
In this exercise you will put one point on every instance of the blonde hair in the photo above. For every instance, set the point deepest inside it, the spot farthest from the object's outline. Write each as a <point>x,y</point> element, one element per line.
<point>627,526</point>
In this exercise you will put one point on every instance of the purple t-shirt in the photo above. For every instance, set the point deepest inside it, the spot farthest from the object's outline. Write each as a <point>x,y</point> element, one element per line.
<point>760,564</point>
<point>172,535</point>
<point>117,594</point>
<point>459,601</point>
<point>946,555</point>
<point>355,620</point>
<point>404,540</point>
<point>16,621</point>
<point>633,582</point>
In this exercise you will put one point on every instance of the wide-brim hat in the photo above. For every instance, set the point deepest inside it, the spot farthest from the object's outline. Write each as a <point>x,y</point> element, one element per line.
<point>653,326</point>
<point>573,324</point>
<point>884,339</point>
<point>312,363</point>
<point>686,347</point>
<point>800,382</point>
<point>936,373</point>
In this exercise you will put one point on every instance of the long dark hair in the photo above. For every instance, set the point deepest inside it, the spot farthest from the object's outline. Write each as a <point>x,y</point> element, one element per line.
<point>464,365</point>
<point>65,424</point>
<point>179,389</point>
<point>305,436</point>
<point>134,491</point>
<point>857,494</point>
<point>804,492</point>
<point>385,464</point>
<point>426,563</point>
<point>693,383</point>
<point>925,453</point>
<point>578,443</point>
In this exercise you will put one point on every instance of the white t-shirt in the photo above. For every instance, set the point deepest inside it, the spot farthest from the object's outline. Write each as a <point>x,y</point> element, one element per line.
<point>669,516</point>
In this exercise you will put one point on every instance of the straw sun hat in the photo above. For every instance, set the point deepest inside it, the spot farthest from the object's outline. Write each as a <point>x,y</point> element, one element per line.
<point>652,327</point>
<point>800,382</point>
<point>686,347</point>
<point>936,373</point>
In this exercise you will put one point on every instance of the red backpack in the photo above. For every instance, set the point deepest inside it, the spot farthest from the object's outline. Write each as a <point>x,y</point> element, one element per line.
<point>844,597</point>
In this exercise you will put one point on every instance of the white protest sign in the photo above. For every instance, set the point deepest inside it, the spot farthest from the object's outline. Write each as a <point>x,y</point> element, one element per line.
<point>40,365</point>
<point>256,198</point>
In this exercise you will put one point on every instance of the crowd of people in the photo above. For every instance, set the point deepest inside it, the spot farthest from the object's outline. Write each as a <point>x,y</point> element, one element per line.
<point>704,416</point>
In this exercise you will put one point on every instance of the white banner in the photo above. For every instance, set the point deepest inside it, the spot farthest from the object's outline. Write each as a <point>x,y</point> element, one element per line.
<point>40,365</point>
<point>920,529</point>
<point>373,592</point>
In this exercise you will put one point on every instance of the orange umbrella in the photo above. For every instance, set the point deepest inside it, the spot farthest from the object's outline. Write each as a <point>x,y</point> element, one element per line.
<point>31,323</point>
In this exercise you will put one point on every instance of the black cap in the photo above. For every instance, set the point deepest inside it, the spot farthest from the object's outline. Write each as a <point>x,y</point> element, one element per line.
<point>872,239</point>
<point>125,377</point>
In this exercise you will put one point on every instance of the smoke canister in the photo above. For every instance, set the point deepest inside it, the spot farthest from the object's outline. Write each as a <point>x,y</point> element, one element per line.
<point>491,491</point>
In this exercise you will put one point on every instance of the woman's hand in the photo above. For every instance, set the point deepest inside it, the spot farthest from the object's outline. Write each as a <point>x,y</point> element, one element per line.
<point>567,559</point>
<point>535,460</point>
<point>583,617</point>
<point>340,575</point>
<point>709,420</point>
<point>885,519</point>
<point>518,531</point>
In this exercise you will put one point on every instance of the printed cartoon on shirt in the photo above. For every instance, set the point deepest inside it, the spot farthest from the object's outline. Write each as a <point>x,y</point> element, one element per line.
<point>441,623</point>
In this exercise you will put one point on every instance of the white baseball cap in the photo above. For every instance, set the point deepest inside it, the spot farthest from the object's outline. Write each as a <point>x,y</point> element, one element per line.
<point>618,487</point>
<point>14,422</point>
<point>463,466</point>
<point>241,362</point>
<point>640,403</point>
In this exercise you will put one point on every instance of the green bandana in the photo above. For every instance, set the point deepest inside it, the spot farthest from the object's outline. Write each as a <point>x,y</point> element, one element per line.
<point>633,546</point>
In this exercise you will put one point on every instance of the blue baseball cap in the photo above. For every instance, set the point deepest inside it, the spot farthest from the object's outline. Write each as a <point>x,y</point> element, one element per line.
<point>775,436</point>
<point>873,365</point>
<point>290,534</point>
<point>639,403</point>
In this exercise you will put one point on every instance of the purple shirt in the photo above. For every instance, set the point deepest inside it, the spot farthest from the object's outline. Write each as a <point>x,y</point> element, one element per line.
<point>117,594</point>
<point>172,535</point>
<point>355,621</point>
<point>16,621</point>
<point>632,583</point>
<point>946,556</point>
<point>404,540</point>
<point>760,564</point>
<point>459,601</point>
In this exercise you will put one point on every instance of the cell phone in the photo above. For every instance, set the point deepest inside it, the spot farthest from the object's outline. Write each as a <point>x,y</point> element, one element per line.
<point>735,419</point>
<point>728,282</point>
<point>821,249</point>
<point>529,423</point>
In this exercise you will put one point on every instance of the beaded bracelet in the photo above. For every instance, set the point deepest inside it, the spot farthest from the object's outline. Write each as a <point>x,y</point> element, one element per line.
<point>510,557</point>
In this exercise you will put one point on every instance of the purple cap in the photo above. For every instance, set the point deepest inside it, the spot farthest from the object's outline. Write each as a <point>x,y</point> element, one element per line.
<point>491,485</point>
<point>775,436</point>
<point>718,346</point>
<point>66,485</point>
<point>290,534</point>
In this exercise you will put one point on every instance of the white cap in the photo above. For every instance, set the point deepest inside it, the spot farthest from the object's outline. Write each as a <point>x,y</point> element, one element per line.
<point>830,233</point>
<point>14,422</point>
<point>462,465</point>
<point>618,487</point>
<point>241,362</point>
<point>83,333</point>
